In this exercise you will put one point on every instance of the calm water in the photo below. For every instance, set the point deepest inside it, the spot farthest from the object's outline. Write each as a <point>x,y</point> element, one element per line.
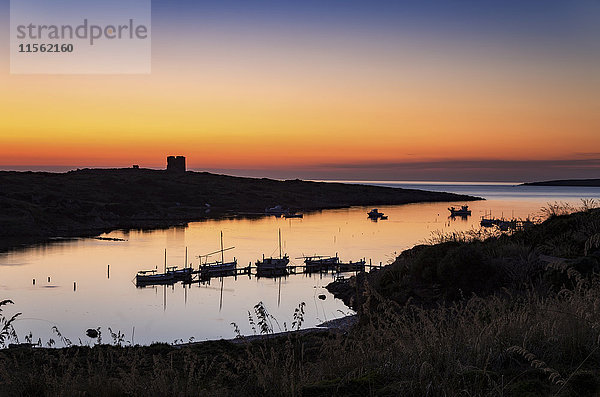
<point>207,311</point>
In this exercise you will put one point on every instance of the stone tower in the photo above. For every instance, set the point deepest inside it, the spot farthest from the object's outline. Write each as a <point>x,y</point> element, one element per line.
<point>176,163</point>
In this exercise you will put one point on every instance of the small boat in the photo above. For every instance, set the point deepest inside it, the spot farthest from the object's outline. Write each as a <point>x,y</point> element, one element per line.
<point>149,277</point>
<point>270,266</point>
<point>462,211</point>
<point>294,215</point>
<point>181,274</point>
<point>352,266</point>
<point>320,263</point>
<point>277,211</point>
<point>375,214</point>
<point>217,268</point>
<point>486,222</point>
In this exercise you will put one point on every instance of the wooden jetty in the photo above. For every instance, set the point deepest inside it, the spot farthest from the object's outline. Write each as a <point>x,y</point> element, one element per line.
<point>268,267</point>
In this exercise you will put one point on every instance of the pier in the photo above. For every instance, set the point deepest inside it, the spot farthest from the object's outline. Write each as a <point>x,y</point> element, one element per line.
<point>202,276</point>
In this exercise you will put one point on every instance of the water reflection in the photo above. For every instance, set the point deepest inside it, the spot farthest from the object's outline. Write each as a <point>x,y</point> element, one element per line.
<point>92,282</point>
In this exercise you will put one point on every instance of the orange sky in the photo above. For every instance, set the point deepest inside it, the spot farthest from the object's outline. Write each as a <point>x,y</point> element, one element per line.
<point>248,102</point>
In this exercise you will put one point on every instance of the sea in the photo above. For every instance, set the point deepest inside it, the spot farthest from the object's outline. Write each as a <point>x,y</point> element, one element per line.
<point>67,286</point>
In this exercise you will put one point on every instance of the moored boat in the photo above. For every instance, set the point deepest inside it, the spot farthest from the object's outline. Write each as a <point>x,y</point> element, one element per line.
<point>352,266</point>
<point>184,273</point>
<point>375,214</point>
<point>294,215</point>
<point>320,263</point>
<point>150,277</point>
<point>180,274</point>
<point>462,211</point>
<point>273,266</point>
<point>217,268</point>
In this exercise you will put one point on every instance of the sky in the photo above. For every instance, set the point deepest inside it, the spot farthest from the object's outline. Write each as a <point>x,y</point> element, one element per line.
<point>369,90</point>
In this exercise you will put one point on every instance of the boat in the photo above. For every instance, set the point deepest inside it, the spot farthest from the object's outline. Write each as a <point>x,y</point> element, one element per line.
<point>217,268</point>
<point>320,263</point>
<point>487,222</point>
<point>462,211</point>
<point>375,214</point>
<point>150,277</point>
<point>180,274</point>
<point>276,211</point>
<point>293,215</point>
<point>351,266</point>
<point>270,266</point>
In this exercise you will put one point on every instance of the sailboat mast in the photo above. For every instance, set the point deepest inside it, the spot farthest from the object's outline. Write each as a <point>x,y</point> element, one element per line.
<point>185,264</point>
<point>165,260</point>
<point>222,260</point>
<point>279,243</point>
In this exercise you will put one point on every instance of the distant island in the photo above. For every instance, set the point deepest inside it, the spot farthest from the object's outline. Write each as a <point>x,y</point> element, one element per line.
<point>38,206</point>
<point>567,182</point>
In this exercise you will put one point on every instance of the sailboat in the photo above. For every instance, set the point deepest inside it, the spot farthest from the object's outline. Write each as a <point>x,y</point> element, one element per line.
<point>151,277</point>
<point>319,263</point>
<point>217,268</point>
<point>273,265</point>
<point>181,274</point>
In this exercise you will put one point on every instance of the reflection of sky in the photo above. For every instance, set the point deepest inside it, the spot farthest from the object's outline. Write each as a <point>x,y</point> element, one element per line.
<point>115,302</point>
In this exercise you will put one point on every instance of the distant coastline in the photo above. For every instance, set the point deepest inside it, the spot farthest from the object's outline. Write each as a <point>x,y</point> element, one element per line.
<point>567,182</point>
<point>36,207</point>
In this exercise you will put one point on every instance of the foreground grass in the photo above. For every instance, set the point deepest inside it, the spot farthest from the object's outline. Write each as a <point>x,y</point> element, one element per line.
<point>510,315</point>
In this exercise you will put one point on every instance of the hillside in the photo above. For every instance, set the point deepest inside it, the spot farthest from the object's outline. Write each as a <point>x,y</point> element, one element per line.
<point>35,206</point>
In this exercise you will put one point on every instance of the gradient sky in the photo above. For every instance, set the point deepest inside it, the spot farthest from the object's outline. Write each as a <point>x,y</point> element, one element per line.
<point>436,90</point>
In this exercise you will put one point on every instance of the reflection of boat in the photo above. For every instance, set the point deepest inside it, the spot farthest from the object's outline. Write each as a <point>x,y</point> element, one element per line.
<point>273,265</point>
<point>462,211</point>
<point>217,268</point>
<point>375,214</point>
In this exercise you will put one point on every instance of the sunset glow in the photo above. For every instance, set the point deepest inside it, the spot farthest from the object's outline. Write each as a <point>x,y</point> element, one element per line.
<point>293,87</point>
